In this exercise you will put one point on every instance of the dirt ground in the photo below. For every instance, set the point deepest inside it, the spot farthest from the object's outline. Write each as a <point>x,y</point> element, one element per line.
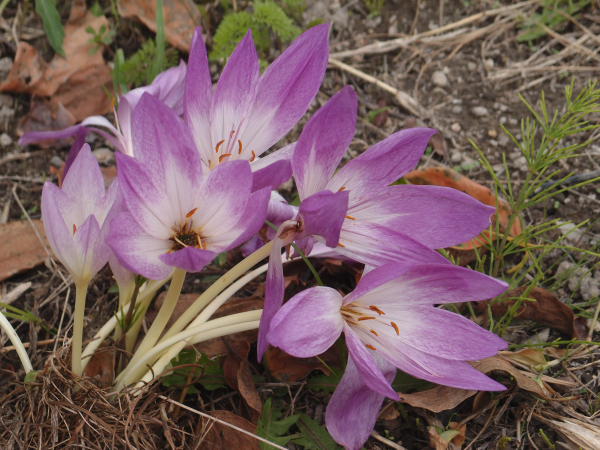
<point>466,81</point>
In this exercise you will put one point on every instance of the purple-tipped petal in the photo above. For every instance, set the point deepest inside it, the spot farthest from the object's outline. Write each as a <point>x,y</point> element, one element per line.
<point>75,149</point>
<point>198,97</point>
<point>286,153</point>
<point>382,164</point>
<point>234,98</point>
<point>305,245</point>
<point>323,214</point>
<point>372,244</point>
<point>272,176</point>
<point>278,210</point>
<point>323,142</point>
<point>189,259</point>
<point>253,244</point>
<point>85,239</point>
<point>309,323</point>
<point>138,251</point>
<point>436,216</point>
<point>353,408</point>
<point>37,136</point>
<point>253,217</point>
<point>169,87</point>
<point>366,366</point>
<point>84,184</point>
<point>122,276</point>
<point>104,213</point>
<point>287,88</point>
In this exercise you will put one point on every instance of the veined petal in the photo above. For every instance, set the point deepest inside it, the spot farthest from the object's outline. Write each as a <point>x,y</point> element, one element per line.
<point>253,217</point>
<point>368,370</point>
<point>323,214</point>
<point>84,185</point>
<point>382,164</point>
<point>309,323</point>
<point>37,136</point>
<point>305,245</point>
<point>234,98</point>
<point>370,243</point>
<point>323,142</point>
<point>122,276</point>
<point>103,213</point>
<point>189,259</point>
<point>272,176</point>
<point>287,88</point>
<point>85,239</point>
<point>278,210</point>
<point>198,97</point>
<point>137,250</point>
<point>169,87</point>
<point>353,408</point>
<point>284,153</point>
<point>429,284</point>
<point>436,216</point>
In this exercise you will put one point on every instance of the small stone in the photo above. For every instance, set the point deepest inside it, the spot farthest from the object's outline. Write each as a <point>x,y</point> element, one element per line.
<point>6,100</point>
<point>503,108</point>
<point>503,120</point>
<point>503,140</point>
<point>5,140</point>
<point>493,134</point>
<point>513,121</point>
<point>489,63</point>
<point>393,29</point>
<point>5,64</point>
<point>521,164</point>
<point>439,78</point>
<point>480,111</point>
<point>104,156</point>
<point>456,127</point>
<point>5,112</point>
<point>456,157</point>
<point>493,142</point>
<point>471,66</point>
<point>514,155</point>
<point>456,109</point>
<point>56,162</point>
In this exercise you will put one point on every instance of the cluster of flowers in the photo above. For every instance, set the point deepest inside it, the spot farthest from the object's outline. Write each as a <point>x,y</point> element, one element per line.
<point>188,189</point>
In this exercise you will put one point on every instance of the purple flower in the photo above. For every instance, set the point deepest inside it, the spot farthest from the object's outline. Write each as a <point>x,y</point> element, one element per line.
<point>76,218</point>
<point>390,322</point>
<point>249,113</point>
<point>176,217</point>
<point>168,87</point>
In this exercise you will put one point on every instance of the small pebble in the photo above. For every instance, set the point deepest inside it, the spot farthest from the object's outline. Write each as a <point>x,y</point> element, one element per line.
<point>480,111</point>
<point>104,156</point>
<point>5,112</point>
<point>503,140</point>
<point>493,134</point>
<point>503,120</point>
<point>456,157</point>
<point>489,63</point>
<point>493,142</point>
<point>471,66</point>
<point>439,78</point>
<point>455,127</point>
<point>56,162</point>
<point>456,109</point>
<point>5,140</point>
<point>5,64</point>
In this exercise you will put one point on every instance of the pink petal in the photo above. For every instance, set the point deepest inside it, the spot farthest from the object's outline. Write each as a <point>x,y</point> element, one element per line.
<point>253,217</point>
<point>353,408</point>
<point>287,88</point>
<point>322,215</point>
<point>382,164</point>
<point>85,239</point>
<point>285,153</point>
<point>436,216</point>
<point>272,176</point>
<point>37,136</point>
<point>323,142</point>
<point>189,259</point>
<point>198,97</point>
<point>309,323</point>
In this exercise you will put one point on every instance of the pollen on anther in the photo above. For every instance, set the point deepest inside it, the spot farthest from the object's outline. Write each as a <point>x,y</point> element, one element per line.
<point>374,332</point>
<point>240,143</point>
<point>341,189</point>
<point>204,246</point>
<point>351,218</point>
<point>370,346</point>
<point>218,145</point>
<point>341,245</point>
<point>376,309</point>
<point>253,156</point>
<point>231,134</point>
<point>74,228</point>
<point>395,328</point>
<point>222,157</point>
<point>191,213</point>
<point>365,318</point>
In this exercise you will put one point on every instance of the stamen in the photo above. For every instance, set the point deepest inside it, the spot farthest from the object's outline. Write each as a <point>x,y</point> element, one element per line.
<point>240,142</point>
<point>199,241</point>
<point>177,240</point>
<point>204,246</point>
<point>231,134</point>
<point>366,318</point>
<point>341,245</point>
<point>253,156</point>
<point>222,157</point>
<point>74,228</point>
<point>351,218</point>
<point>341,189</point>
<point>218,145</point>
<point>376,309</point>
<point>191,213</point>
<point>370,346</point>
<point>374,332</point>
<point>395,328</point>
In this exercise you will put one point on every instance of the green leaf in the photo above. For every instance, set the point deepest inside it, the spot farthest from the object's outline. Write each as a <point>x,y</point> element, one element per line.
<point>212,377</point>
<point>31,376</point>
<point>372,114</point>
<point>220,260</point>
<point>54,28</point>
<point>449,435</point>
<point>404,382</point>
<point>323,383</point>
<point>314,436</point>
<point>96,9</point>
<point>271,429</point>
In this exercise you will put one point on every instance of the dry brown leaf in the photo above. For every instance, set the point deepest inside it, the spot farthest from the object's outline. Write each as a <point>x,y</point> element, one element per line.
<point>439,443</point>
<point>181,17</point>
<point>287,368</point>
<point>583,435</point>
<point>46,115</point>
<point>20,248</point>
<point>528,356</point>
<point>546,310</point>
<point>27,69</point>
<point>222,437</point>
<point>102,365</point>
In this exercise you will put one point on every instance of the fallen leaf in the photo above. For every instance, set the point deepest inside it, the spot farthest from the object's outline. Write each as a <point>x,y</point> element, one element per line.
<point>102,365</point>
<point>528,356</point>
<point>181,17</point>
<point>288,368</point>
<point>27,70</point>
<point>442,398</point>
<point>238,375</point>
<point>46,115</point>
<point>20,248</point>
<point>453,435</point>
<point>545,310</point>
<point>222,437</point>
<point>583,435</point>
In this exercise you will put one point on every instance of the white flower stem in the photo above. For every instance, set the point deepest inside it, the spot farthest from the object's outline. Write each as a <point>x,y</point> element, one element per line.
<point>217,287</point>
<point>16,342</point>
<point>125,293</point>
<point>214,328</point>
<point>159,323</point>
<point>80,295</point>
<point>144,299</point>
